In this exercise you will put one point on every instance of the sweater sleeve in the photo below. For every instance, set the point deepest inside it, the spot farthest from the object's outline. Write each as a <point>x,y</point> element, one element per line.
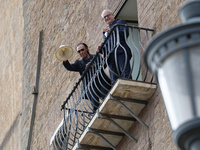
<point>72,67</point>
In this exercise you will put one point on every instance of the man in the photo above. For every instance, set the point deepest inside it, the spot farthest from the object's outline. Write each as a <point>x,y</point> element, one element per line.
<point>120,54</point>
<point>93,91</point>
<point>79,65</point>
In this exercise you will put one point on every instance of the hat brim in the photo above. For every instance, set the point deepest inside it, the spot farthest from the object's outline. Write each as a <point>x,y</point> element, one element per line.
<point>64,53</point>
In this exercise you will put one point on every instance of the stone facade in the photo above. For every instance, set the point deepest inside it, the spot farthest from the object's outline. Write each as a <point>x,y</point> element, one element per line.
<point>65,22</point>
<point>157,15</point>
<point>11,32</point>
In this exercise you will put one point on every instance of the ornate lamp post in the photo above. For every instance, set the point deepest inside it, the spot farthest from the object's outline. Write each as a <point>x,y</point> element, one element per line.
<point>174,56</point>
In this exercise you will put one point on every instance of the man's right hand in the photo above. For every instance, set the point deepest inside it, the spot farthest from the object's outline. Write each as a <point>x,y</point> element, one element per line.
<point>106,29</point>
<point>98,48</point>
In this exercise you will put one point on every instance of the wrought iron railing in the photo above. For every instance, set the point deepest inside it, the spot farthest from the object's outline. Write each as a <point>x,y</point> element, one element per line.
<point>95,83</point>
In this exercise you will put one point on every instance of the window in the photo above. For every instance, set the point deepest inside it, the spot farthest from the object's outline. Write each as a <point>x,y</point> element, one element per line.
<point>128,12</point>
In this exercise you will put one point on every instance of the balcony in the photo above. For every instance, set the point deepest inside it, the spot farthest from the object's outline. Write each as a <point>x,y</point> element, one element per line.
<point>99,111</point>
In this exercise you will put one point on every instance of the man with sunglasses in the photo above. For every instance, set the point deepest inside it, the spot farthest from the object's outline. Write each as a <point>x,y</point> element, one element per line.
<point>80,65</point>
<point>93,90</point>
<point>117,48</point>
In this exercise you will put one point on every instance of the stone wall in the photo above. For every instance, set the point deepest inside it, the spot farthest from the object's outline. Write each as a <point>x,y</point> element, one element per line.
<point>11,32</point>
<point>157,15</point>
<point>65,22</point>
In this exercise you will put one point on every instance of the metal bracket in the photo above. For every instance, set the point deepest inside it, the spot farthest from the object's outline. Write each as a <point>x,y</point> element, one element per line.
<point>35,91</point>
<point>133,114</point>
<point>102,137</point>
<point>117,125</point>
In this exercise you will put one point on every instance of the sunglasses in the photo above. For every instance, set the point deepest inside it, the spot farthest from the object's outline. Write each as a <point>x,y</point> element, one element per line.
<point>80,50</point>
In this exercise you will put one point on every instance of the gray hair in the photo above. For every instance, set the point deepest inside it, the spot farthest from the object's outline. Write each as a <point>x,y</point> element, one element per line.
<point>104,11</point>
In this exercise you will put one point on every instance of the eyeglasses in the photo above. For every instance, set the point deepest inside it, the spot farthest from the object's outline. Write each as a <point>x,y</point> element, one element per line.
<point>80,50</point>
<point>106,16</point>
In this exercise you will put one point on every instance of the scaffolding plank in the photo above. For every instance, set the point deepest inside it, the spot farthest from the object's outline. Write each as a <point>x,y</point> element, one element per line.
<point>124,89</point>
<point>132,89</point>
<point>93,139</point>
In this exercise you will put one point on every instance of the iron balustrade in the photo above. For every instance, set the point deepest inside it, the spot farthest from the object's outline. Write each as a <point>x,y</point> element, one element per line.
<point>95,83</point>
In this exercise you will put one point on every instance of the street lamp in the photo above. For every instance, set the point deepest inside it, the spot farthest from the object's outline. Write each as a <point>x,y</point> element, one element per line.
<point>174,57</point>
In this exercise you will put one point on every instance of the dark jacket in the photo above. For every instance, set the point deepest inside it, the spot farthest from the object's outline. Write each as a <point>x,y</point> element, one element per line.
<point>78,65</point>
<point>121,38</point>
<point>102,81</point>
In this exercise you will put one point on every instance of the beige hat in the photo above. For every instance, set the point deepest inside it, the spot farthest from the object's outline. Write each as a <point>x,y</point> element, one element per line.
<point>64,52</point>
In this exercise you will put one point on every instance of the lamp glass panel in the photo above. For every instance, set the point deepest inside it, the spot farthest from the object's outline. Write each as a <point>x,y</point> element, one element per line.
<point>195,65</point>
<point>174,86</point>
